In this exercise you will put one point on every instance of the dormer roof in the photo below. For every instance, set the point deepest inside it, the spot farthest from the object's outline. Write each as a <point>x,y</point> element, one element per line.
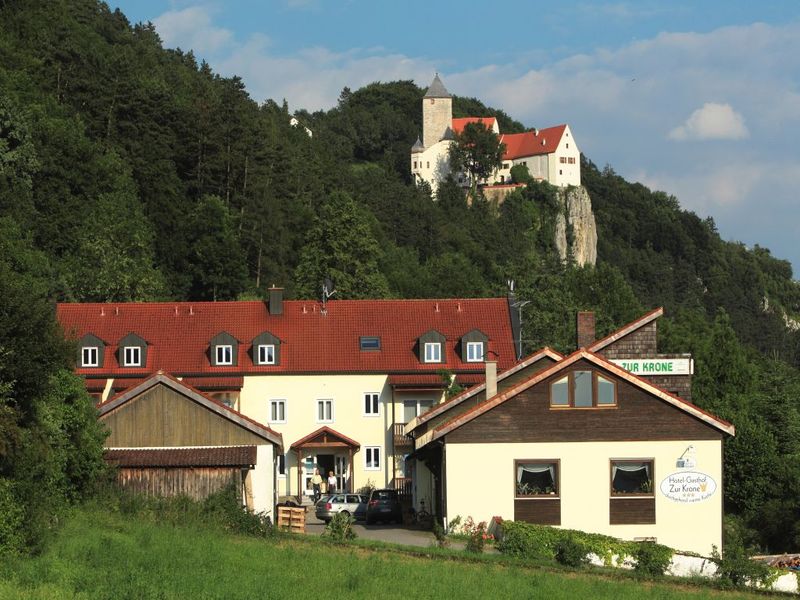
<point>437,89</point>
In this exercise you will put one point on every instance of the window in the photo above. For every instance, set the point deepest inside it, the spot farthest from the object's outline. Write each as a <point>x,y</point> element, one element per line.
<point>562,160</point>
<point>90,356</point>
<point>415,164</point>
<point>632,477</point>
<point>428,164</point>
<point>433,352</point>
<point>372,458</point>
<point>583,389</point>
<point>536,478</point>
<point>266,354</point>
<point>324,411</point>
<point>132,356</point>
<point>277,411</point>
<point>281,465</point>
<point>474,351</point>
<point>371,404</point>
<point>224,354</point>
<point>370,342</point>
<point>505,165</point>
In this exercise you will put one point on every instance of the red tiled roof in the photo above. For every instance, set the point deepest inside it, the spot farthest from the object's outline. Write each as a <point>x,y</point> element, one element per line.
<point>461,122</point>
<point>417,379</point>
<point>470,378</point>
<point>214,383</point>
<point>544,141</point>
<point>125,383</point>
<point>95,385</point>
<point>178,334</point>
<point>228,456</point>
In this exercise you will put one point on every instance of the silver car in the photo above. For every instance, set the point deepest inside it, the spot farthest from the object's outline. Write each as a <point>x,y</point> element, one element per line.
<point>352,504</point>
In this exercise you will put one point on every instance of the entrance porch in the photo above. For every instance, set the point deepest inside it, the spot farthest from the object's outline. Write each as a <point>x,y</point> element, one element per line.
<point>329,451</point>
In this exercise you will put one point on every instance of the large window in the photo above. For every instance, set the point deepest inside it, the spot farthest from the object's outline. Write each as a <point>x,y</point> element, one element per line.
<point>536,478</point>
<point>583,389</point>
<point>474,351</point>
<point>631,477</point>
<point>372,404</point>
<point>277,411</point>
<point>433,352</point>
<point>90,356</point>
<point>224,354</point>
<point>324,411</point>
<point>132,356</point>
<point>266,354</point>
<point>372,458</point>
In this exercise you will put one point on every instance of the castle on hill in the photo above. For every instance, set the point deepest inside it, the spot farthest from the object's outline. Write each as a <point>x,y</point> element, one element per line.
<point>550,154</point>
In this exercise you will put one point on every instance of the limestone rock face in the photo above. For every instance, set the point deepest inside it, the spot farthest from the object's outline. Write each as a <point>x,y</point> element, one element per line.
<point>576,216</point>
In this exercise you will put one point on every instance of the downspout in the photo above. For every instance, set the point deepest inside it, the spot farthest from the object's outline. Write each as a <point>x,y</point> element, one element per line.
<point>443,475</point>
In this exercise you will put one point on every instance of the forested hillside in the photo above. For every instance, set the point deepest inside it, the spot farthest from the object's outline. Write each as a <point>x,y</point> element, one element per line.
<point>133,172</point>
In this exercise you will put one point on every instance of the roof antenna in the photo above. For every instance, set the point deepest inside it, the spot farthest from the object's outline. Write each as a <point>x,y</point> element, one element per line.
<point>327,292</point>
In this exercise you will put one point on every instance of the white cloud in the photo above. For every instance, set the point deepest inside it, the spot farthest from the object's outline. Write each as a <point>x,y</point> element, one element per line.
<point>192,29</point>
<point>712,122</point>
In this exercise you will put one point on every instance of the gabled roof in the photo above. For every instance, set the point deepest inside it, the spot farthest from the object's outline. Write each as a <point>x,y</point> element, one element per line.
<point>461,122</point>
<point>626,330</point>
<point>437,89</point>
<point>530,143</point>
<point>471,392</point>
<point>598,361</point>
<point>327,434</point>
<point>220,409</point>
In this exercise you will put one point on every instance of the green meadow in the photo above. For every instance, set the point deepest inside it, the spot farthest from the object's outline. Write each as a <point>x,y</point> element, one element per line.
<point>97,554</point>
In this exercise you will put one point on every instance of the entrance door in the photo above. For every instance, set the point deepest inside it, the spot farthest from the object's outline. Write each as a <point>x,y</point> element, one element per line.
<point>325,465</point>
<point>341,474</point>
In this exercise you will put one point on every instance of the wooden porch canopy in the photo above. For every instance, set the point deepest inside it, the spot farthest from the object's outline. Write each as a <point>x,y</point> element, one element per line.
<point>327,438</point>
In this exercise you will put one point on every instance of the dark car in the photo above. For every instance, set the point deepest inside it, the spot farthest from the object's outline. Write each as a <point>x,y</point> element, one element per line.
<point>384,505</point>
<point>352,504</point>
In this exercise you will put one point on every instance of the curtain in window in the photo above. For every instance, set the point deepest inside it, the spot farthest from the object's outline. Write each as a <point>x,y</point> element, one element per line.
<point>536,468</point>
<point>630,468</point>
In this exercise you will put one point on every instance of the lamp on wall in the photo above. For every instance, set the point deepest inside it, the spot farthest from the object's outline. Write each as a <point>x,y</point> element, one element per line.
<point>688,459</point>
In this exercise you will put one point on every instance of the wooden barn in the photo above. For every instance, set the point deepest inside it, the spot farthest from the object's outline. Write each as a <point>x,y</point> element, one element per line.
<point>167,439</point>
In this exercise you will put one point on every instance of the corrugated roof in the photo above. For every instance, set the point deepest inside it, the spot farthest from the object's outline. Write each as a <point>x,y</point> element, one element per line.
<point>226,456</point>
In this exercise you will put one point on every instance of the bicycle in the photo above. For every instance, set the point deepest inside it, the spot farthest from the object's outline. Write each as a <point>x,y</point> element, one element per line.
<point>421,516</point>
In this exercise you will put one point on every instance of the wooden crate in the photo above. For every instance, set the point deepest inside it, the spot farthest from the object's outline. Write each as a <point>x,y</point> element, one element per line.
<point>291,518</point>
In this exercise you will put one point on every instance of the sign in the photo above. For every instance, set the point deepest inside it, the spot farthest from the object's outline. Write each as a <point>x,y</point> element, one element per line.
<point>656,366</point>
<point>688,487</point>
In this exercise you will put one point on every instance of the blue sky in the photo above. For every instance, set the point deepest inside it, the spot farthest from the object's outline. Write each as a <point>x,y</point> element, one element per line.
<point>699,99</point>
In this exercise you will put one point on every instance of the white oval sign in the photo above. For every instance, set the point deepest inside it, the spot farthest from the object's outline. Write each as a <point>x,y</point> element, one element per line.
<point>688,486</point>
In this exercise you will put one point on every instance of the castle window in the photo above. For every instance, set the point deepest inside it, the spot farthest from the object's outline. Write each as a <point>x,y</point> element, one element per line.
<point>428,163</point>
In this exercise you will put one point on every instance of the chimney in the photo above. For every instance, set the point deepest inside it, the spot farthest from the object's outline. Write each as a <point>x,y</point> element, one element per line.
<point>491,378</point>
<point>275,300</point>
<point>585,329</point>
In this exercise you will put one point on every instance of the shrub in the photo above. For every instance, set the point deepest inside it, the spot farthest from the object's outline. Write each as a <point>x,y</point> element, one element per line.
<point>477,538</point>
<point>571,552</point>
<point>439,534</point>
<point>736,568</point>
<point>454,525</point>
<point>651,559</point>
<point>11,516</point>
<point>340,528</point>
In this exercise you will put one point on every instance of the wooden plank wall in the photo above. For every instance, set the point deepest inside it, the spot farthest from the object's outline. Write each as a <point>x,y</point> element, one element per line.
<point>195,482</point>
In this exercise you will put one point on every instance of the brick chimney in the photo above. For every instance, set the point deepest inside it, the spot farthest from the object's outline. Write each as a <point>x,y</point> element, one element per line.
<point>275,300</point>
<point>585,329</point>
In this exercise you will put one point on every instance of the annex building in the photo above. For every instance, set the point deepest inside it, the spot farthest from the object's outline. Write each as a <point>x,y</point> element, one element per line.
<point>550,154</point>
<point>307,384</point>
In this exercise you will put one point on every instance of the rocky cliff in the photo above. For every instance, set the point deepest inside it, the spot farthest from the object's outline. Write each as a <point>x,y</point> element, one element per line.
<point>576,230</point>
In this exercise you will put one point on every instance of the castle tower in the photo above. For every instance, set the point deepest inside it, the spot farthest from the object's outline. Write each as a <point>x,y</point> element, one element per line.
<point>437,113</point>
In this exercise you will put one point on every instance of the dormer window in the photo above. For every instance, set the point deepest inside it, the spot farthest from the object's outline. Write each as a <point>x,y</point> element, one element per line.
<point>132,357</point>
<point>474,345</point>
<point>266,354</point>
<point>224,353</point>
<point>90,356</point>
<point>433,352</point>
<point>583,389</point>
<point>475,352</point>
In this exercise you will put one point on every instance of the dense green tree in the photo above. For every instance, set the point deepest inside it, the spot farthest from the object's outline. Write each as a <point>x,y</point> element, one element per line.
<point>477,151</point>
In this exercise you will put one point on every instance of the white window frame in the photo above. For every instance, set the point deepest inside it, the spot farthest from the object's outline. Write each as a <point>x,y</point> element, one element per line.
<point>374,400</point>
<point>133,350</point>
<point>371,461</point>
<point>219,350</point>
<point>86,356</point>
<point>268,357</point>
<point>432,348</point>
<point>320,402</point>
<point>275,402</point>
<point>474,355</point>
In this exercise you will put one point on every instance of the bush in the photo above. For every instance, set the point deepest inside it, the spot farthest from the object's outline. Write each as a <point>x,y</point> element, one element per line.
<point>652,559</point>
<point>477,538</point>
<point>736,568</point>
<point>340,528</point>
<point>439,534</point>
<point>571,552</point>
<point>11,516</point>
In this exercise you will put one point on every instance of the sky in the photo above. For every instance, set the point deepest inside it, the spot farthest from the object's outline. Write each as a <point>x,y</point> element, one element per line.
<point>697,98</point>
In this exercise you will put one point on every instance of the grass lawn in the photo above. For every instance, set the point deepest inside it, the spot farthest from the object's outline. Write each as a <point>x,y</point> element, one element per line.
<point>101,555</point>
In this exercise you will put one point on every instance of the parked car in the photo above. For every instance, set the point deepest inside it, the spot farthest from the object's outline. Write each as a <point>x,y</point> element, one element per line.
<point>384,505</point>
<point>352,504</point>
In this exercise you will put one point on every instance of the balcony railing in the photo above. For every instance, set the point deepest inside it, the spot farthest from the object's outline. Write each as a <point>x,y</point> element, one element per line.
<point>400,438</point>
<point>402,485</point>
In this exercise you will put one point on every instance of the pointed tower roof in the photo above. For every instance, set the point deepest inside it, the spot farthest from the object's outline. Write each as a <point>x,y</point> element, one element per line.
<point>417,147</point>
<point>437,89</point>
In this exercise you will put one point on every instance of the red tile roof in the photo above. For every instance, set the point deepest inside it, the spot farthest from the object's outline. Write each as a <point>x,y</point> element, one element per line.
<point>461,122</point>
<point>422,379</point>
<point>544,141</point>
<point>178,334</point>
<point>95,385</point>
<point>228,456</point>
<point>214,383</point>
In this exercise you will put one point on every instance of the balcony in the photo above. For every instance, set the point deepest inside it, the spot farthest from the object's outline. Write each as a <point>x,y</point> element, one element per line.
<point>400,439</point>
